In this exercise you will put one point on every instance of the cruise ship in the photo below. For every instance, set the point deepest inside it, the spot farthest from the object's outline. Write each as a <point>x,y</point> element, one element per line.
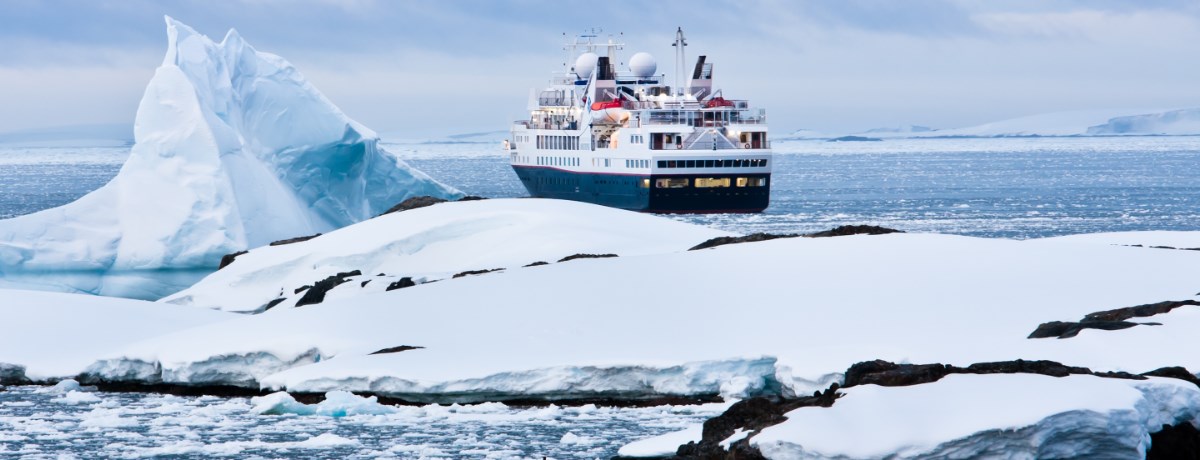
<point>618,134</point>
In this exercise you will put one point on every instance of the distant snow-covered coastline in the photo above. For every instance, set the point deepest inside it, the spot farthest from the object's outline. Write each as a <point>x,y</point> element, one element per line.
<point>1093,123</point>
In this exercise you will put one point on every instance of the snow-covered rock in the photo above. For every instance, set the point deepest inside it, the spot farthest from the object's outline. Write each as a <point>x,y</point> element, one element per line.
<point>55,335</point>
<point>234,149</point>
<point>781,316</point>
<point>437,242</point>
<point>972,416</point>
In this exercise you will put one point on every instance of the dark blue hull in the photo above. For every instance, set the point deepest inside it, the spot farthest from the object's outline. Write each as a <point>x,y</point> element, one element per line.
<point>649,193</point>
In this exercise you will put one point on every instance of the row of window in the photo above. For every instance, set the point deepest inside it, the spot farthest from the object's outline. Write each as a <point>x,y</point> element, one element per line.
<point>637,163</point>
<point>558,142</point>
<point>710,182</point>
<point>740,163</point>
<point>557,161</point>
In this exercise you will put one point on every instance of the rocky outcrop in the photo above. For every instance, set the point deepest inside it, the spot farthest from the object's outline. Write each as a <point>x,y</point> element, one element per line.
<point>395,349</point>
<point>228,259</point>
<point>1108,320</point>
<point>586,256</point>
<point>752,414</point>
<point>414,203</point>
<point>315,293</point>
<point>294,240</point>
<point>845,230</point>
<point>475,272</point>
<point>751,238</point>
<point>536,264</point>
<point>1180,441</point>
<point>423,201</point>
<point>400,284</point>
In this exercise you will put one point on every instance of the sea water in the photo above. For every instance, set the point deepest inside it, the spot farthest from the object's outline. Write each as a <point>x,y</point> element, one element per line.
<point>1011,188</point>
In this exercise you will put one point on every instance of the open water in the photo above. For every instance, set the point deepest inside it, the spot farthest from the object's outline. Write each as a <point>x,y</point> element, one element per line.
<point>1011,188</point>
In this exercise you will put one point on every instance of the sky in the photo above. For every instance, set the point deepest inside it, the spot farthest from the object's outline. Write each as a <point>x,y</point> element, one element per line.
<point>431,68</point>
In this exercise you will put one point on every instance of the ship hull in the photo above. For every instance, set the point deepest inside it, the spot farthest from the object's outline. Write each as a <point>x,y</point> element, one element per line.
<point>638,192</point>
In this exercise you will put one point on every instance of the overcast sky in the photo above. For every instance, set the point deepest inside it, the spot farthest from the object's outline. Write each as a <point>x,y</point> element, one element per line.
<point>442,67</point>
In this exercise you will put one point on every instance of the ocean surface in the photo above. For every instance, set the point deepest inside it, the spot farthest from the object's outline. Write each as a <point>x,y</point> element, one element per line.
<point>1008,188</point>
<point>1003,188</point>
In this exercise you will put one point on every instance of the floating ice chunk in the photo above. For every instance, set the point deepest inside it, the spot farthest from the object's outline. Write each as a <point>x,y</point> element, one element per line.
<point>324,441</point>
<point>66,386</point>
<point>574,439</point>
<point>280,403</point>
<point>76,397</point>
<point>336,404</point>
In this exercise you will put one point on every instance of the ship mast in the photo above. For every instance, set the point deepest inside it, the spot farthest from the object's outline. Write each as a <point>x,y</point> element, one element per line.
<point>679,58</point>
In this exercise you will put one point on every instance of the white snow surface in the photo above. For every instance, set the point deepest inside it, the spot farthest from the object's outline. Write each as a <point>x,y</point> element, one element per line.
<point>969,416</point>
<point>662,446</point>
<point>233,149</point>
<point>57,335</point>
<point>784,315</point>
<point>436,242</point>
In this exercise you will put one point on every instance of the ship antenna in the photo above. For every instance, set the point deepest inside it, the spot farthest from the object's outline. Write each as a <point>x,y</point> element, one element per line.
<point>679,58</point>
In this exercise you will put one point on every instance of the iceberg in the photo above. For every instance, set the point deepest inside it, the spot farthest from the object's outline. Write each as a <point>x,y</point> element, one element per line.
<point>233,149</point>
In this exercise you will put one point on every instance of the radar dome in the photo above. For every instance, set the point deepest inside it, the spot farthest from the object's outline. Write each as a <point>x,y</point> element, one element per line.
<point>643,65</point>
<point>585,64</point>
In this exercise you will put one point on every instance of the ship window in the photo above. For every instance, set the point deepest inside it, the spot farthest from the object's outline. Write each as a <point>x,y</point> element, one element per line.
<point>662,164</point>
<point>671,163</point>
<point>691,163</point>
<point>671,183</point>
<point>708,163</point>
<point>741,181</point>
<point>705,182</point>
<point>727,163</point>
<point>758,182</point>
<point>645,183</point>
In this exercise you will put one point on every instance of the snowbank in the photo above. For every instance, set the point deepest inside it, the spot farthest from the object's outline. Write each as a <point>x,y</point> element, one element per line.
<point>966,416</point>
<point>234,149</point>
<point>437,242</point>
<point>54,335</point>
<point>780,316</point>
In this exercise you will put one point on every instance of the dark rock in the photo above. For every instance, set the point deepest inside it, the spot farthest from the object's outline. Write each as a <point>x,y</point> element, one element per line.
<point>414,203</point>
<point>273,303</point>
<point>396,349</point>
<point>302,288</point>
<point>400,284</point>
<point>1174,372</point>
<point>751,238</point>
<point>1020,366</point>
<point>475,272</point>
<point>1108,320</point>
<point>847,230</point>
<point>364,284</point>
<point>471,198</point>
<point>294,240</point>
<point>888,374</point>
<point>586,256</point>
<point>316,293</point>
<point>228,259</point>
<point>1140,311</point>
<point>537,264</point>
<point>1180,441</point>
<point>752,414</point>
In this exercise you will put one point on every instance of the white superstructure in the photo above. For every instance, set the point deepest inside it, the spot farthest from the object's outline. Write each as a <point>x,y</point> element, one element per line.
<point>612,133</point>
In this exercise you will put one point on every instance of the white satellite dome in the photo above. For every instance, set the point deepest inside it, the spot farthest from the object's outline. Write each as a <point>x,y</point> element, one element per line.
<point>643,65</point>
<point>585,64</point>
